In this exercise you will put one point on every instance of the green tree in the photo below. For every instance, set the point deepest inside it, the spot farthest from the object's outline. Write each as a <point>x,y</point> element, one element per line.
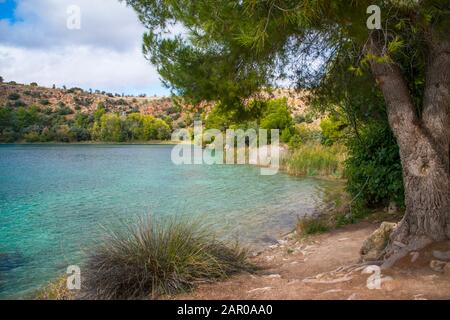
<point>111,128</point>
<point>162,129</point>
<point>134,126</point>
<point>232,49</point>
<point>276,115</point>
<point>334,129</point>
<point>99,112</point>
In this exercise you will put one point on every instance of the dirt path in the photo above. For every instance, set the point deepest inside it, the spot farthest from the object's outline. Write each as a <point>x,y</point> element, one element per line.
<point>290,271</point>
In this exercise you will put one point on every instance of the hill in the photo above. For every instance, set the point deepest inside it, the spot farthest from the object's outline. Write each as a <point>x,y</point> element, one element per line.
<point>31,113</point>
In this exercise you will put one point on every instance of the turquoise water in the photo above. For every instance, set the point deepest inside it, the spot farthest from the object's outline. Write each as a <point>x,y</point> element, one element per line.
<point>54,200</point>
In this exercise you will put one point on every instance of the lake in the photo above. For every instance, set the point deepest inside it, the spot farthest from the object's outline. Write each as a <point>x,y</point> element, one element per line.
<point>54,200</point>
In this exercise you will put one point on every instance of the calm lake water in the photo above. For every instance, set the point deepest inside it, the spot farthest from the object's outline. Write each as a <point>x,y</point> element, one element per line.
<point>54,200</point>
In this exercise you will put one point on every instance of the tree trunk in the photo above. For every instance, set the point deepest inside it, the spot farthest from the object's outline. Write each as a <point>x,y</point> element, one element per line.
<point>424,148</point>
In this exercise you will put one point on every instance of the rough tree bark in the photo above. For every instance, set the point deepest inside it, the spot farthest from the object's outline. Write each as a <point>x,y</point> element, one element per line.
<point>424,147</point>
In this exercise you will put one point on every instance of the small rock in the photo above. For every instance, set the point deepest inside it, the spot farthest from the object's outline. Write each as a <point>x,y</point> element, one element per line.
<point>332,291</point>
<point>399,244</point>
<point>419,297</point>
<point>441,255</point>
<point>392,207</point>
<point>320,279</point>
<point>447,268</point>
<point>438,265</point>
<point>414,256</point>
<point>269,240</point>
<point>343,239</point>
<point>373,246</point>
<point>260,289</point>
<point>273,276</point>
<point>352,297</point>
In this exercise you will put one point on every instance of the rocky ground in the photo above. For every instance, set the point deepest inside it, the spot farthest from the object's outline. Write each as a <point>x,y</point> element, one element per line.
<point>326,266</point>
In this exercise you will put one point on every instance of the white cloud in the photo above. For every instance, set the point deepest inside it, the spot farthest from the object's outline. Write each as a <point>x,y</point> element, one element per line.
<point>104,54</point>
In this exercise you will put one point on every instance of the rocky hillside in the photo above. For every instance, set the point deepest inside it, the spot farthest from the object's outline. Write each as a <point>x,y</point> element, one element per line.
<point>78,100</point>
<point>31,113</point>
<point>16,95</point>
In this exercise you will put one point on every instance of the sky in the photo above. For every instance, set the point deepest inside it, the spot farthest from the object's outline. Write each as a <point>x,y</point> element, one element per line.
<point>40,42</point>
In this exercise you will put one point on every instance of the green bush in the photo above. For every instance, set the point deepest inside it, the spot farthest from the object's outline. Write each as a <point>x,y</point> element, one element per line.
<point>153,258</point>
<point>14,96</point>
<point>63,110</point>
<point>333,129</point>
<point>44,102</point>
<point>276,115</point>
<point>373,168</point>
<point>32,136</point>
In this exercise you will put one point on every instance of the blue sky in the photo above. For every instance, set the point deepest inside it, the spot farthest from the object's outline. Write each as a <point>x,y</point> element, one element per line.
<point>7,9</point>
<point>105,53</point>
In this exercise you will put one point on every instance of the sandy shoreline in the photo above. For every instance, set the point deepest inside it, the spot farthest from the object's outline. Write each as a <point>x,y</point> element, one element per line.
<point>326,266</point>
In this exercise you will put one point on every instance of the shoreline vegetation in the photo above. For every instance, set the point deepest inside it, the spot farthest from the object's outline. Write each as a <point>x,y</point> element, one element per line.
<point>152,142</point>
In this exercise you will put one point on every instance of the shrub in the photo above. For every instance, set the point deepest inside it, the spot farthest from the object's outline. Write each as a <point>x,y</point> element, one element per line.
<point>373,168</point>
<point>333,129</point>
<point>44,102</point>
<point>16,104</point>
<point>357,210</point>
<point>307,117</point>
<point>14,96</point>
<point>63,110</point>
<point>8,135</point>
<point>32,136</point>
<point>152,258</point>
<point>80,134</point>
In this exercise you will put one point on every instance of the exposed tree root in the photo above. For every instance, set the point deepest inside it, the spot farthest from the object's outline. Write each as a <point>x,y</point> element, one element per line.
<point>401,244</point>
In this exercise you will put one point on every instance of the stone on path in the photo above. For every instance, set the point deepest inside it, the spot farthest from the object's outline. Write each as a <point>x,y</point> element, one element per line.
<point>373,247</point>
<point>438,265</point>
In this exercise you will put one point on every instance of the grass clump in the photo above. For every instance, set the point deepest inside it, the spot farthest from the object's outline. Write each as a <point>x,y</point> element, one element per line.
<point>312,225</point>
<point>154,258</point>
<point>314,159</point>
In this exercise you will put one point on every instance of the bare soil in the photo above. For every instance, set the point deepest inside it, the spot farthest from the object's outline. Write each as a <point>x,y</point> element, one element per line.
<point>326,266</point>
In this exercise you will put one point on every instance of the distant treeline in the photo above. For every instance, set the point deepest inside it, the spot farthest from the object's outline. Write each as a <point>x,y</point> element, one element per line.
<point>61,124</point>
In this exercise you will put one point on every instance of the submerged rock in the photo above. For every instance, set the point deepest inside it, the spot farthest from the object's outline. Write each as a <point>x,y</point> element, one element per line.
<point>9,261</point>
<point>269,240</point>
<point>372,248</point>
<point>442,255</point>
